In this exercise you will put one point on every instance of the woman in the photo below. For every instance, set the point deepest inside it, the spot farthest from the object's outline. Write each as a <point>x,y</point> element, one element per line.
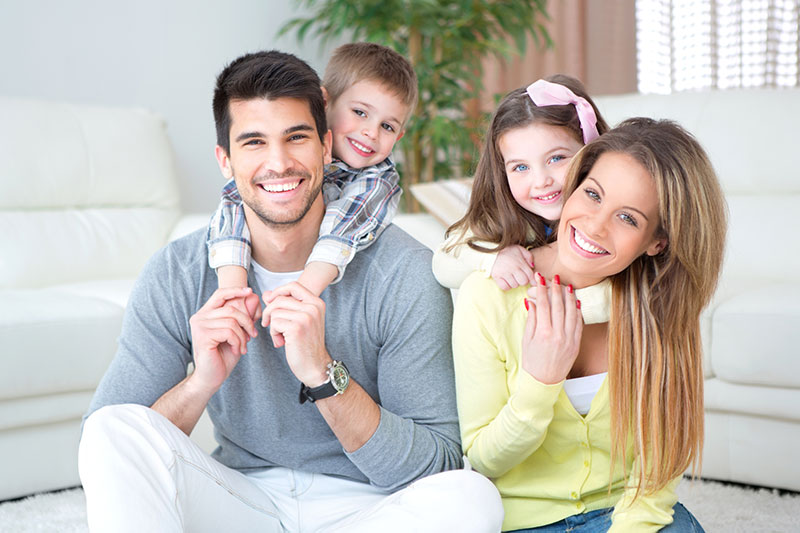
<point>565,443</point>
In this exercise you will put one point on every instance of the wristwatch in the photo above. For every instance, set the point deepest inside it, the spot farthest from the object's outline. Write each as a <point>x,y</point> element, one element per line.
<point>338,380</point>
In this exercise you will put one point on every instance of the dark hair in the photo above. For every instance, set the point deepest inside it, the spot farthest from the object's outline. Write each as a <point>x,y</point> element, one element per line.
<point>493,215</point>
<point>355,62</point>
<point>270,75</point>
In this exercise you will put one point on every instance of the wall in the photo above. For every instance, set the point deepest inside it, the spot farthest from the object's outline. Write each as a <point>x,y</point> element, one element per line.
<point>159,54</point>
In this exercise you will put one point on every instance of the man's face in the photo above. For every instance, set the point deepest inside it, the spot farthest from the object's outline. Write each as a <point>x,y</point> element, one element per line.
<point>276,157</point>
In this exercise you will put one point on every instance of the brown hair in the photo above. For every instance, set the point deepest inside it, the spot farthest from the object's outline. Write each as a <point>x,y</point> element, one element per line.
<point>655,350</point>
<point>493,215</point>
<point>354,62</point>
<point>269,75</point>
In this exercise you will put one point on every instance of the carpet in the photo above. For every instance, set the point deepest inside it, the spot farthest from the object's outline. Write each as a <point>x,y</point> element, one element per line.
<point>719,508</point>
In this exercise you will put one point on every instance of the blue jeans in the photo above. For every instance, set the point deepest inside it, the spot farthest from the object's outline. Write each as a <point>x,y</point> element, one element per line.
<point>599,521</point>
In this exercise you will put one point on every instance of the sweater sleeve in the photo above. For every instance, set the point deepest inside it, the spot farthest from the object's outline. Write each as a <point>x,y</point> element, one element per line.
<point>451,267</point>
<point>502,422</point>
<point>418,431</point>
<point>648,512</point>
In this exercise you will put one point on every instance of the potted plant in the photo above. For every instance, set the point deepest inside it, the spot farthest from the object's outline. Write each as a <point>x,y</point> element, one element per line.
<point>446,42</point>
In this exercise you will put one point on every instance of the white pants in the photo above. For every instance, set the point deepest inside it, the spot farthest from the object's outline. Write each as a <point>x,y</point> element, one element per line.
<point>141,473</point>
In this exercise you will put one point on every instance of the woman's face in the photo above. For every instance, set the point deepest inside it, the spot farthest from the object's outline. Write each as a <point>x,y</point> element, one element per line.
<point>536,158</point>
<point>610,219</point>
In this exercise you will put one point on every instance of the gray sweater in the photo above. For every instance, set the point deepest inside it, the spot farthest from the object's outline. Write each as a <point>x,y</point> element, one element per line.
<point>388,320</point>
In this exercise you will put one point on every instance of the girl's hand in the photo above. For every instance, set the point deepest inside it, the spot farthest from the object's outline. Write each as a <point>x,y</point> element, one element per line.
<point>513,267</point>
<point>552,337</point>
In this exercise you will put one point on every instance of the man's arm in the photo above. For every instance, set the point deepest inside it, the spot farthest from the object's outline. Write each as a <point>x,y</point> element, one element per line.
<point>414,432</point>
<point>297,318</point>
<point>220,334</point>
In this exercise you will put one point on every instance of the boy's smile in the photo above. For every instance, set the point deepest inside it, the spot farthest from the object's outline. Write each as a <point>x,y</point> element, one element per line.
<point>366,120</point>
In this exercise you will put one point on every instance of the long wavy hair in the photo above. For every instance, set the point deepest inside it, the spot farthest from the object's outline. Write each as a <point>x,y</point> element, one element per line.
<point>493,216</point>
<point>655,351</point>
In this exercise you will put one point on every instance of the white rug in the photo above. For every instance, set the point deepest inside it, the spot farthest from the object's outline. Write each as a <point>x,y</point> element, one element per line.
<point>718,507</point>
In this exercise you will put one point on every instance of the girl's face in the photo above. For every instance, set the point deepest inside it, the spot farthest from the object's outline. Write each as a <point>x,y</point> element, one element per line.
<point>536,158</point>
<point>610,219</point>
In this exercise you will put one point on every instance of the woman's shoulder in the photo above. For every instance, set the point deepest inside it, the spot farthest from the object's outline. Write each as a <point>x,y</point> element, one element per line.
<point>482,292</point>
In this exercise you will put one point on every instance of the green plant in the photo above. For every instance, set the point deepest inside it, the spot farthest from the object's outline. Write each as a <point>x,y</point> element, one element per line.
<point>446,41</point>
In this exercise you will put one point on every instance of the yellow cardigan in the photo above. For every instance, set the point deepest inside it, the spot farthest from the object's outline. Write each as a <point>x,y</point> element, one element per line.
<point>547,461</point>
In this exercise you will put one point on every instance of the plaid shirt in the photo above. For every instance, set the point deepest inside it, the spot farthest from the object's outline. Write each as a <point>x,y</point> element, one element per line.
<point>359,204</point>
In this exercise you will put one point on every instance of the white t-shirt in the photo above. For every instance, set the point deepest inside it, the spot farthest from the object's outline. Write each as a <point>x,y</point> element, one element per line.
<point>269,281</point>
<point>581,391</point>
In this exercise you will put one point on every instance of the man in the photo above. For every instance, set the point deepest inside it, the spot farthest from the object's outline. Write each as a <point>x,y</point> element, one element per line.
<point>332,421</point>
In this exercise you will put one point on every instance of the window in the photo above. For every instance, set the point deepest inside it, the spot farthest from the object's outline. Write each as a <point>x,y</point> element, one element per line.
<point>700,44</point>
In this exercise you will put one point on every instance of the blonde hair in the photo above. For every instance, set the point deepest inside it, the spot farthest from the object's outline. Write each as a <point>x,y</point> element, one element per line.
<point>493,215</point>
<point>654,345</point>
<point>355,62</point>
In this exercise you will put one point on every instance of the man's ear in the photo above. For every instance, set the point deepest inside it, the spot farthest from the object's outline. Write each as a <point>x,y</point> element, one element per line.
<point>224,161</point>
<point>656,247</point>
<point>325,96</point>
<point>327,147</point>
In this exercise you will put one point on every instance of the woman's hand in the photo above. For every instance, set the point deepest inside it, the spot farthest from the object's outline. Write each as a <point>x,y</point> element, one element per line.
<point>552,336</point>
<point>513,267</point>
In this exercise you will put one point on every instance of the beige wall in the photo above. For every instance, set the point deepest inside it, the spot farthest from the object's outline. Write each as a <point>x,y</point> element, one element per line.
<point>593,40</point>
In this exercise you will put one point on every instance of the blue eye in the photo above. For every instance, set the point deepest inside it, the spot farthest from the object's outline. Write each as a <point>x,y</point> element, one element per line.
<point>388,127</point>
<point>556,159</point>
<point>520,168</point>
<point>628,219</point>
<point>592,194</point>
<point>359,112</point>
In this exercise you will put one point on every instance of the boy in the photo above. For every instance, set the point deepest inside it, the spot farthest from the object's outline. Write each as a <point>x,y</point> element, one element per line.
<point>370,92</point>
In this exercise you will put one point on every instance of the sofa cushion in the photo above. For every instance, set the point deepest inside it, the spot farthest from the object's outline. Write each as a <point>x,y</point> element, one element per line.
<point>739,129</point>
<point>54,341</point>
<point>92,198</point>
<point>752,335</point>
<point>754,400</point>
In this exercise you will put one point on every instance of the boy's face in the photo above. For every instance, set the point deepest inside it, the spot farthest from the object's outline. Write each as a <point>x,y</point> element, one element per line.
<point>366,121</point>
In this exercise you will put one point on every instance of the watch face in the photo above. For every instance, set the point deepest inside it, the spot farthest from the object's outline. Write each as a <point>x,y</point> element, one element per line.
<point>340,378</point>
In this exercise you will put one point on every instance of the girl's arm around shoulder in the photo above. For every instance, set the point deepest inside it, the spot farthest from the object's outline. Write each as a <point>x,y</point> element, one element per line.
<point>451,267</point>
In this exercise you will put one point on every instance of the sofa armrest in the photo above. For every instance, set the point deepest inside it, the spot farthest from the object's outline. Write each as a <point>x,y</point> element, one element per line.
<point>187,224</point>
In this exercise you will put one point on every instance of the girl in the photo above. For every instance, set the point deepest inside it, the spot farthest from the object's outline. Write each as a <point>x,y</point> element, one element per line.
<point>565,443</point>
<point>517,192</point>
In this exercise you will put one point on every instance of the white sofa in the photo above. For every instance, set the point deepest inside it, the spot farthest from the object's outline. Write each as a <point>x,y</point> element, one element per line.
<point>88,195</point>
<point>751,332</point>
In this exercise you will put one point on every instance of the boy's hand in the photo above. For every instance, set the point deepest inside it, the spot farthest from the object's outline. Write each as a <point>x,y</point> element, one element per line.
<point>233,276</point>
<point>513,268</point>
<point>315,277</point>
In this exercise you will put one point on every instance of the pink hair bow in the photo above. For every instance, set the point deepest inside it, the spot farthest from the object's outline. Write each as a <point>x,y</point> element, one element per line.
<point>545,93</point>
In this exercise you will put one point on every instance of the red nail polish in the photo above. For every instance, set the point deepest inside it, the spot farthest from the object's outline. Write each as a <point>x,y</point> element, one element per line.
<point>527,307</point>
<point>541,281</point>
<point>557,280</point>
<point>578,303</point>
<point>532,265</point>
<point>569,288</point>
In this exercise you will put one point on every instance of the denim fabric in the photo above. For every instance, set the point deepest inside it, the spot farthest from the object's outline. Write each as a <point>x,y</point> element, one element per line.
<point>600,521</point>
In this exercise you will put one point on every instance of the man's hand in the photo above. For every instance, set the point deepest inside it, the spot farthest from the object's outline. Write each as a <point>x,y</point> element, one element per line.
<point>297,320</point>
<point>220,333</point>
<point>513,267</point>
